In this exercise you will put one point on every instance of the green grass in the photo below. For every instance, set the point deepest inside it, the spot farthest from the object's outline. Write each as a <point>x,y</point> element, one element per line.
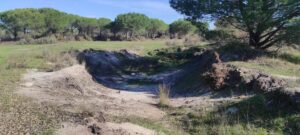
<point>23,113</point>
<point>271,66</point>
<point>254,117</point>
<point>113,45</point>
<point>293,57</point>
<point>161,127</point>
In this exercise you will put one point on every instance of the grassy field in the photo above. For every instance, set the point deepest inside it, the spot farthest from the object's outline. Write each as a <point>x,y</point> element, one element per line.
<point>22,115</point>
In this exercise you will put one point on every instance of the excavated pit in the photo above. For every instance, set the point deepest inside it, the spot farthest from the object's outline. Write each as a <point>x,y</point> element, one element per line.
<point>125,71</point>
<point>121,84</point>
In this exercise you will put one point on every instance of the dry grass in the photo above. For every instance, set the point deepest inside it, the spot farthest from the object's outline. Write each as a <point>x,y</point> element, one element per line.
<point>193,40</point>
<point>174,42</point>
<point>16,62</point>
<point>57,61</point>
<point>164,93</point>
<point>271,66</point>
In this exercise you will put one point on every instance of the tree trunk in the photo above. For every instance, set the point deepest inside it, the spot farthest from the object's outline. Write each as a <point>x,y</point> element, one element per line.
<point>127,35</point>
<point>24,30</point>
<point>254,40</point>
<point>15,33</point>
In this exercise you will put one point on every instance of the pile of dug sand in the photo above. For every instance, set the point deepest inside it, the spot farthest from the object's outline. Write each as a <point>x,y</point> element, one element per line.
<point>74,90</point>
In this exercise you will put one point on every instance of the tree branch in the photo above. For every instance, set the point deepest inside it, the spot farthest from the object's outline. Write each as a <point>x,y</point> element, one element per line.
<point>271,43</point>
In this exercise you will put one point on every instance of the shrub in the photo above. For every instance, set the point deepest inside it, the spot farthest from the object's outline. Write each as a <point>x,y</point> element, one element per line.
<point>26,40</point>
<point>43,40</point>
<point>46,40</point>
<point>193,40</point>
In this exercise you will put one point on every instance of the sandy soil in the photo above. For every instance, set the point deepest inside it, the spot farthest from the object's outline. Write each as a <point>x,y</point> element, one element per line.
<point>74,90</point>
<point>104,129</point>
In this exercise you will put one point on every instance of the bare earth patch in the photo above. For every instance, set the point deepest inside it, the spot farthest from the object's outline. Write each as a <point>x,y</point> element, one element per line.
<point>74,90</point>
<point>104,129</point>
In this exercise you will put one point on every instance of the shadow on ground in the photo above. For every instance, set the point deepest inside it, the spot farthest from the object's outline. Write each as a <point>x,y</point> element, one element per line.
<point>130,72</point>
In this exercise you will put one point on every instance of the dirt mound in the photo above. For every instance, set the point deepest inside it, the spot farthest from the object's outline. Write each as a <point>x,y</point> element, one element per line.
<point>223,76</point>
<point>267,83</point>
<point>104,129</point>
<point>72,81</point>
<point>94,125</point>
<point>106,63</point>
<point>73,89</point>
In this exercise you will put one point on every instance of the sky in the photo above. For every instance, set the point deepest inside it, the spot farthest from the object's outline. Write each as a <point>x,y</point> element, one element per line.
<point>100,8</point>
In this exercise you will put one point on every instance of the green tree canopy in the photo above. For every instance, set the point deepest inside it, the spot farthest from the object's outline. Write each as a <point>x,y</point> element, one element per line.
<point>86,25</point>
<point>131,23</point>
<point>22,20</point>
<point>156,27</point>
<point>265,21</point>
<point>181,28</point>
<point>103,22</point>
<point>56,21</point>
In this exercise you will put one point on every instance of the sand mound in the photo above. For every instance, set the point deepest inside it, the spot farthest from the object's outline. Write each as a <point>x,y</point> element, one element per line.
<point>74,90</point>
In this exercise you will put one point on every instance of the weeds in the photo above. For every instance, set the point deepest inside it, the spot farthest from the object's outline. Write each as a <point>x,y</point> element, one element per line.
<point>160,127</point>
<point>58,60</point>
<point>217,123</point>
<point>164,93</point>
<point>16,62</point>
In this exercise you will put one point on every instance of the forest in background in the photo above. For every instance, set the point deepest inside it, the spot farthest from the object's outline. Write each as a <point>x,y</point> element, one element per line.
<point>46,25</point>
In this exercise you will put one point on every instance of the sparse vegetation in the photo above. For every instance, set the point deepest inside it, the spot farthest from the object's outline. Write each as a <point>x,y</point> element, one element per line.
<point>164,95</point>
<point>241,78</point>
<point>271,66</point>
<point>162,128</point>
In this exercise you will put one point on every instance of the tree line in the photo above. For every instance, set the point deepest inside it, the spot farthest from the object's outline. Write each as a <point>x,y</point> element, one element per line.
<point>30,23</point>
